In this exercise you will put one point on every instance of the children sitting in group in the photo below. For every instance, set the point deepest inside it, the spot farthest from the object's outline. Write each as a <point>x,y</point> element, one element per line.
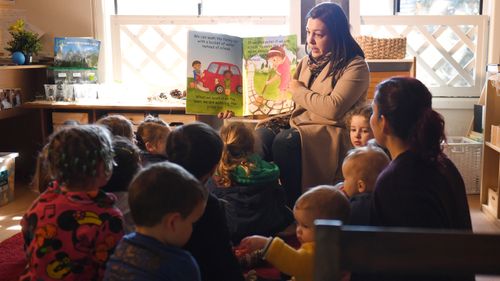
<point>256,202</point>
<point>127,164</point>
<point>118,125</point>
<point>358,124</point>
<point>321,202</point>
<point>198,148</point>
<point>165,201</point>
<point>361,168</point>
<point>151,139</point>
<point>72,227</point>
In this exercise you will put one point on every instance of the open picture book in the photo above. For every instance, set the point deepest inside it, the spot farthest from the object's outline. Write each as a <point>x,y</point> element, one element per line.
<point>248,76</point>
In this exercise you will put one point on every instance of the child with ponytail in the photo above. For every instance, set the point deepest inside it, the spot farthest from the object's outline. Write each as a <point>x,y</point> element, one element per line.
<point>255,200</point>
<point>420,187</point>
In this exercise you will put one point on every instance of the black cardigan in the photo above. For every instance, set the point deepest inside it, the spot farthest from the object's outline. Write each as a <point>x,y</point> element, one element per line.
<point>211,247</point>
<point>411,192</point>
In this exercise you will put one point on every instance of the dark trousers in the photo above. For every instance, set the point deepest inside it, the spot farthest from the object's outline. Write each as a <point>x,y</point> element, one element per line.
<point>284,149</point>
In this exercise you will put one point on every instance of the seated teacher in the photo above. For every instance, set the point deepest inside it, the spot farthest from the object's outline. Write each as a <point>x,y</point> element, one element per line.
<point>331,80</point>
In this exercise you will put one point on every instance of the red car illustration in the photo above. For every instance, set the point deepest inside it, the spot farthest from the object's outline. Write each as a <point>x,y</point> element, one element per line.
<point>213,77</point>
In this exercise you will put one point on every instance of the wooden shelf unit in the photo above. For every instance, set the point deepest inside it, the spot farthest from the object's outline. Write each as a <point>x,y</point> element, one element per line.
<point>20,127</point>
<point>384,69</point>
<point>490,166</point>
<point>53,114</point>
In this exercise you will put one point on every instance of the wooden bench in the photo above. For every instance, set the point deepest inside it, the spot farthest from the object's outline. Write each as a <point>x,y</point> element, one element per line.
<point>366,249</point>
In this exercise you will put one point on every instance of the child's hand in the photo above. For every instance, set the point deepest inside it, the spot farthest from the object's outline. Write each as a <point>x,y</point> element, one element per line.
<point>225,114</point>
<point>253,243</point>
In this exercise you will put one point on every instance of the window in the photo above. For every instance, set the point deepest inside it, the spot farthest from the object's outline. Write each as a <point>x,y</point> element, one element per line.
<point>450,49</point>
<point>149,37</point>
<point>376,8</point>
<point>439,7</point>
<point>235,70</point>
<point>204,7</point>
<point>420,7</point>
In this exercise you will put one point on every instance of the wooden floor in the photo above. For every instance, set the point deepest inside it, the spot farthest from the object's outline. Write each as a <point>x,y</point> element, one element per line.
<point>11,213</point>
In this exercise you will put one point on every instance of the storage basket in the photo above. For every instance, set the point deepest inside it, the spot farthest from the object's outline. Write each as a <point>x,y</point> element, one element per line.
<point>382,48</point>
<point>465,153</point>
<point>7,169</point>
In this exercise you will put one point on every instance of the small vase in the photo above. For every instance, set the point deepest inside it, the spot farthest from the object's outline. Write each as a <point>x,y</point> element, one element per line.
<point>28,59</point>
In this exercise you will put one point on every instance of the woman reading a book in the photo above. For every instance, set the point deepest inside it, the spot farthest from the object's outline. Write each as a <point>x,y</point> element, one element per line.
<point>330,81</point>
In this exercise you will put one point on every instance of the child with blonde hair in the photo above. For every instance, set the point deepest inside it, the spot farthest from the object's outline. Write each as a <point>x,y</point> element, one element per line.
<point>358,124</point>
<point>151,137</point>
<point>321,202</point>
<point>256,202</point>
<point>361,168</point>
<point>72,227</point>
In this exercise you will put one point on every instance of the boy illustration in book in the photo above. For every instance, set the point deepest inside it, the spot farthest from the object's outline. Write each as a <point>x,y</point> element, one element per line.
<point>197,75</point>
<point>280,62</point>
<point>227,82</point>
<point>196,64</point>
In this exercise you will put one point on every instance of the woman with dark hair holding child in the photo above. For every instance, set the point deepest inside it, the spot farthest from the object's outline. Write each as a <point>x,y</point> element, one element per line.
<point>329,82</point>
<point>421,187</point>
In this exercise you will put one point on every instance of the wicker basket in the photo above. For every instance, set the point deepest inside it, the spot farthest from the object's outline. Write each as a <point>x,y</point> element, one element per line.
<point>465,153</point>
<point>382,48</point>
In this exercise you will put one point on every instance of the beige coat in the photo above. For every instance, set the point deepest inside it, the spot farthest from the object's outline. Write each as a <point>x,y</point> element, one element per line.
<point>319,117</point>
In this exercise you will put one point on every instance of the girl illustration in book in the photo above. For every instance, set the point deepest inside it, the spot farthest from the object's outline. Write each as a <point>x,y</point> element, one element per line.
<point>280,62</point>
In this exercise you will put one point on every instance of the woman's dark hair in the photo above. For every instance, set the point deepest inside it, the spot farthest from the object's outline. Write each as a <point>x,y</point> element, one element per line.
<point>196,147</point>
<point>127,159</point>
<point>406,104</point>
<point>344,47</point>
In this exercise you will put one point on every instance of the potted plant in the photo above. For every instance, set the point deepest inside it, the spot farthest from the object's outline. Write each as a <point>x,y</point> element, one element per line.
<point>23,41</point>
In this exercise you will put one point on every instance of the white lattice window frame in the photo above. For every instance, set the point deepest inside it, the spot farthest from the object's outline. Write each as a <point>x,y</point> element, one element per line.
<point>118,29</point>
<point>418,24</point>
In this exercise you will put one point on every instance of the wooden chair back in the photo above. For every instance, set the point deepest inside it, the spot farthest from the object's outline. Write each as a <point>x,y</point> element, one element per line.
<point>367,249</point>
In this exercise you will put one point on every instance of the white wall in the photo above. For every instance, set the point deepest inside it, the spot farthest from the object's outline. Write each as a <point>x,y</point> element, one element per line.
<point>58,18</point>
<point>492,8</point>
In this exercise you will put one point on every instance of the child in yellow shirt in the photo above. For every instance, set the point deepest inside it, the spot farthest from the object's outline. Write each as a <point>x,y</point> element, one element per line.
<point>321,202</point>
